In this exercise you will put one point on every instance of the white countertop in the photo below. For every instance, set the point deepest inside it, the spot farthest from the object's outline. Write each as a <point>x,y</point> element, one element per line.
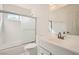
<point>71,42</point>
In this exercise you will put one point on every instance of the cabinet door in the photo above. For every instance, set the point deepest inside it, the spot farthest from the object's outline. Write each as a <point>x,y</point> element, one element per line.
<point>42,51</point>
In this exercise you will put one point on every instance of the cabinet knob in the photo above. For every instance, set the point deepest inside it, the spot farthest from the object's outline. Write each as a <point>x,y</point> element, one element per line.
<point>50,53</point>
<point>42,53</point>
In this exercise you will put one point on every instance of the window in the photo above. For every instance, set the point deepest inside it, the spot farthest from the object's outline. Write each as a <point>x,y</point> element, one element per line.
<point>50,26</point>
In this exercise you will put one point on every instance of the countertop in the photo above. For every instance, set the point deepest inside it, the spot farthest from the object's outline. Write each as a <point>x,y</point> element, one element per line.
<point>70,42</point>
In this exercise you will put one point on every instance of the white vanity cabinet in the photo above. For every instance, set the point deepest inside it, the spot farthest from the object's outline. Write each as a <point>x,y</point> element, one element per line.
<point>45,48</point>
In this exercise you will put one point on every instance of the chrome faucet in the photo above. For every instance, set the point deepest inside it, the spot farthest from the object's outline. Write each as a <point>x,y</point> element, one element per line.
<point>61,36</point>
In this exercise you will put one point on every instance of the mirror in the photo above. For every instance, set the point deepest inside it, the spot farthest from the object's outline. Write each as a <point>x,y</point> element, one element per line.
<point>65,19</point>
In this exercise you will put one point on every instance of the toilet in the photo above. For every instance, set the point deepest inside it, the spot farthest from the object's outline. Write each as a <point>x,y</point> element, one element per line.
<point>30,49</point>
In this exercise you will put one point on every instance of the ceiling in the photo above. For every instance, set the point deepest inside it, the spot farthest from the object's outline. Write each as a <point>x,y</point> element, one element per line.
<point>56,6</point>
<point>51,6</point>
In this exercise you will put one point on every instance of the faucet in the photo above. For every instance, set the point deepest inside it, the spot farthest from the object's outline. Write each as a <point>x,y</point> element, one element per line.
<point>61,36</point>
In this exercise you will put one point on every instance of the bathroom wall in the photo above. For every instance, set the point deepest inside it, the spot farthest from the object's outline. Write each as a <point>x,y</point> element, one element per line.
<point>66,17</point>
<point>41,11</point>
<point>37,10</point>
<point>17,9</point>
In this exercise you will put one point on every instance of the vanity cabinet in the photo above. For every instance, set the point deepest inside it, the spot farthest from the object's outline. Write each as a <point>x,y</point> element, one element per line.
<point>43,51</point>
<point>45,48</point>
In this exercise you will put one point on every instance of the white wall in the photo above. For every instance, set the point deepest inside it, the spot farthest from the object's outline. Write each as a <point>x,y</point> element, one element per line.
<point>16,9</point>
<point>41,11</point>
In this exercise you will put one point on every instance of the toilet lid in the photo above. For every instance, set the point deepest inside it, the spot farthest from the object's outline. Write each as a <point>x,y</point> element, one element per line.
<point>30,45</point>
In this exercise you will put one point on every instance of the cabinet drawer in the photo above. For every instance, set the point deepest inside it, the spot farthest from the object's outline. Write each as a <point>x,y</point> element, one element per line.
<point>42,51</point>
